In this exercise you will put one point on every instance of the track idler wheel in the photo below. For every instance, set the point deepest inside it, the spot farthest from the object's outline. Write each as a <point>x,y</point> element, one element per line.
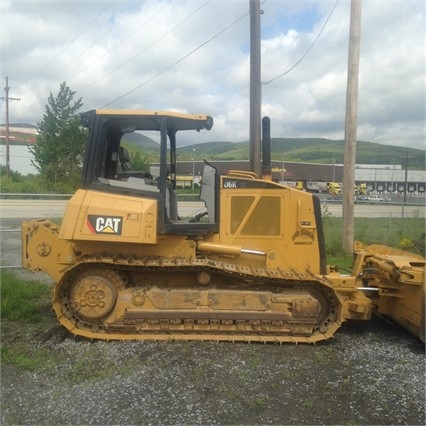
<point>93,294</point>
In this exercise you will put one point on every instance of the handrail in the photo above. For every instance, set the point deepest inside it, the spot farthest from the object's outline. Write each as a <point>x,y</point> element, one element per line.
<point>243,174</point>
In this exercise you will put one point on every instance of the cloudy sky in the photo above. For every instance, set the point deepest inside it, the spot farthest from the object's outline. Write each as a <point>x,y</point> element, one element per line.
<point>193,56</point>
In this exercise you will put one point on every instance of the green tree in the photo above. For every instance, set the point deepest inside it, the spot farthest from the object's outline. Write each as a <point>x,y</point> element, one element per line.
<point>58,151</point>
<point>140,161</point>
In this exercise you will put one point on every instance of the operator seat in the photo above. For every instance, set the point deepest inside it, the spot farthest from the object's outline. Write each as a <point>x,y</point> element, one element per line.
<point>125,168</point>
<point>124,158</point>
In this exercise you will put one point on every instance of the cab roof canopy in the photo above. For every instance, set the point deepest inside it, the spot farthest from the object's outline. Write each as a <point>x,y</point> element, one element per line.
<point>149,120</point>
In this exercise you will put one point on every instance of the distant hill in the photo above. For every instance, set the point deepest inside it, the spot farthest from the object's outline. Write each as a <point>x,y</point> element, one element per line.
<point>311,150</point>
<point>142,141</point>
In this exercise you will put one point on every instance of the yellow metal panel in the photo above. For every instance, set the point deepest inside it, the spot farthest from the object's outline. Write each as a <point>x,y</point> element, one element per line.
<point>97,216</point>
<point>72,212</point>
<point>284,226</point>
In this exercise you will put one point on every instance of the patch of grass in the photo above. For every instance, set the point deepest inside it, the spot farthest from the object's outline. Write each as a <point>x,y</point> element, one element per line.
<point>91,369</point>
<point>22,300</point>
<point>323,355</point>
<point>27,358</point>
<point>407,234</point>
<point>308,403</point>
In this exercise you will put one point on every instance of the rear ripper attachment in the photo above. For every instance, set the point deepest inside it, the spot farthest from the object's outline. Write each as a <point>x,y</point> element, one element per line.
<point>395,281</point>
<point>181,299</point>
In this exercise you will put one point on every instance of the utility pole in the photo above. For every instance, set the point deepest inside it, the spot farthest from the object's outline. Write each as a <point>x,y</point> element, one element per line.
<point>7,99</point>
<point>255,87</point>
<point>351,127</point>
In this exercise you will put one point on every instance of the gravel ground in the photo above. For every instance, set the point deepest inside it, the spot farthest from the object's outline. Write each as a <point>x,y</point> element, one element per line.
<point>370,373</point>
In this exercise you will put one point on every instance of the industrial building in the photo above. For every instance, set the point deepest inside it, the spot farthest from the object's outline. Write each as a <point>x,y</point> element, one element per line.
<point>379,178</point>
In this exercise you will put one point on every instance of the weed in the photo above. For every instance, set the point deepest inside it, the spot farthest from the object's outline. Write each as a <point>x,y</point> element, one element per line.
<point>255,360</point>
<point>385,231</point>
<point>22,300</point>
<point>27,358</point>
<point>323,355</point>
<point>308,403</point>
<point>260,402</point>
<point>91,369</point>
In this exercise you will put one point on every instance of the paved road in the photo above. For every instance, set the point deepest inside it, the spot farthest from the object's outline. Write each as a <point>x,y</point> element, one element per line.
<point>50,209</point>
<point>32,209</point>
<point>378,210</point>
<point>41,209</point>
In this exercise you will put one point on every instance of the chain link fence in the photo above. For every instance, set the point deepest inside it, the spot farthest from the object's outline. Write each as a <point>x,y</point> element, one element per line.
<point>16,207</point>
<point>30,206</point>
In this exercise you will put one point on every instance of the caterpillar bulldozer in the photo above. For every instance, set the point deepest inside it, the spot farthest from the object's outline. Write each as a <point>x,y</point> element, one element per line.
<point>129,264</point>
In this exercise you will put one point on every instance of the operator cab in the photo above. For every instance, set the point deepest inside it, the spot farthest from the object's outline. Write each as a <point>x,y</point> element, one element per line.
<point>107,165</point>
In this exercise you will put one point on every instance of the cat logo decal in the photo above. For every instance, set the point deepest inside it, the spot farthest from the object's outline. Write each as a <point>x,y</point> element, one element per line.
<point>105,224</point>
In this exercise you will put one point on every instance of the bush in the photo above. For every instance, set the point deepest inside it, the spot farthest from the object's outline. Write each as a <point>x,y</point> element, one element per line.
<point>33,184</point>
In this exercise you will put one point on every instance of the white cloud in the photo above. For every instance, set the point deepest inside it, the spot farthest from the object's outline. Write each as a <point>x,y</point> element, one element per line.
<point>105,49</point>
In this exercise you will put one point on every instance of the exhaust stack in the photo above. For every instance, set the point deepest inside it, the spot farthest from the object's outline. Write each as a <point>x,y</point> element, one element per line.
<point>266,149</point>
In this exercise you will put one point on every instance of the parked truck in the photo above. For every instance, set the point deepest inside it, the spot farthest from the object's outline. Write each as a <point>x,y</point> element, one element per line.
<point>320,187</point>
<point>361,189</point>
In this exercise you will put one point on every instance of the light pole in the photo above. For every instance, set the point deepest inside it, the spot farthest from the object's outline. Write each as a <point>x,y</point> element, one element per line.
<point>393,175</point>
<point>193,167</point>
<point>405,188</point>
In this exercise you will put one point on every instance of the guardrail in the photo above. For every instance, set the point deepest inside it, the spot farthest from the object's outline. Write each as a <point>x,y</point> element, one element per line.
<point>42,206</point>
<point>29,206</point>
<point>18,207</point>
<point>14,208</point>
<point>411,199</point>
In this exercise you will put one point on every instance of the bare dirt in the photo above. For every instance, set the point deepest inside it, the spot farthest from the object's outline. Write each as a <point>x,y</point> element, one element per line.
<point>371,373</point>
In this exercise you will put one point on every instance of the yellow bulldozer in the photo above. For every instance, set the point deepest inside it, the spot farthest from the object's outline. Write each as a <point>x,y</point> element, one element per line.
<point>128,264</point>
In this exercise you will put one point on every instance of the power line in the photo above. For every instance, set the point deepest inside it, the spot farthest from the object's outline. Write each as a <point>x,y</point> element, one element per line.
<point>71,42</point>
<point>94,43</point>
<point>146,48</point>
<point>177,62</point>
<point>310,47</point>
<point>122,41</point>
